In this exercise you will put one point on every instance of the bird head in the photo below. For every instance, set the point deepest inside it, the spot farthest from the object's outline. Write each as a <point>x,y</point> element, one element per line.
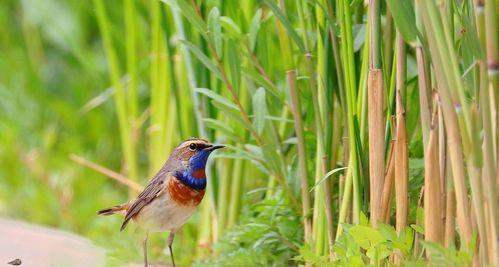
<point>189,161</point>
<point>193,153</point>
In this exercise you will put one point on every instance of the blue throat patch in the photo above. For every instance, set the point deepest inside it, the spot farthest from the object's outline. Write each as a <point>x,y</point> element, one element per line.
<point>196,162</point>
<point>187,179</point>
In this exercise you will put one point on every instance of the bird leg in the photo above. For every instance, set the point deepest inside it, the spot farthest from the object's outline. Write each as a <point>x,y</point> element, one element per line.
<point>145,249</point>
<point>170,242</point>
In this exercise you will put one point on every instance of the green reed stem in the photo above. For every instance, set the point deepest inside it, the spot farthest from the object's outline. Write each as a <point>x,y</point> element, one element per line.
<point>119,95</point>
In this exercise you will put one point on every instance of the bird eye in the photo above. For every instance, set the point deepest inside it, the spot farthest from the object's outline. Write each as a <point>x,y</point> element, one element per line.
<point>193,146</point>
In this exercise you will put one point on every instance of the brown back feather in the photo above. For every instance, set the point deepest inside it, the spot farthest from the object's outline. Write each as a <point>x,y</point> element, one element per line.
<point>155,187</point>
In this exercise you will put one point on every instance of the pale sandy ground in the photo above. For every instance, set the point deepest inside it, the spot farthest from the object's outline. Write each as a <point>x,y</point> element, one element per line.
<point>39,247</point>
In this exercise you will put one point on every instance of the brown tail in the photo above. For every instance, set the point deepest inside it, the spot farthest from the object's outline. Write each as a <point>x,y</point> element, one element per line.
<point>116,209</point>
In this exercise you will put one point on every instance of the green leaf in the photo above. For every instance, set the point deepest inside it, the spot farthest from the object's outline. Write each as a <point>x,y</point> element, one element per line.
<point>329,173</point>
<point>254,28</point>
<point>281,119</point>
<point>378,252</point>
<point>215,96</point>
<point>215,30</point>
<point>234,65</point>
<point>403,15</point>
<point>366,236</point>
<point>417,228</point>
<point>203,58</point>
<point>238,153</point>
<point>221,127</point>
<point>387,231</point>
<point>273,159</point>
<point>259,79</point>
<point>189,13</point>
<point>363,220</point>
<point>291,31</point>
<point>230,27</point>
<point>259,110</point>
<point>232,113</point>
<point>359,36</point>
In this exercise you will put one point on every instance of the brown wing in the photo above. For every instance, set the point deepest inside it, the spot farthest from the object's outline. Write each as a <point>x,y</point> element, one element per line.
<point>154,189</point>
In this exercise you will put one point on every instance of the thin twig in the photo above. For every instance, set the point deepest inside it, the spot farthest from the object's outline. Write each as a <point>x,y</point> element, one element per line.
<point>107,172</point>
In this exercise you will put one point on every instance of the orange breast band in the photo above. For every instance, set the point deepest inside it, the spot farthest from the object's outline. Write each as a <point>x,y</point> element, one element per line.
<point>198,174</point>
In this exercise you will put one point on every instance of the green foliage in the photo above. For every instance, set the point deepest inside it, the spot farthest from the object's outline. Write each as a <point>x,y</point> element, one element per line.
<point>441,256</point>
<point>269,234</point>
<point>361,245</point>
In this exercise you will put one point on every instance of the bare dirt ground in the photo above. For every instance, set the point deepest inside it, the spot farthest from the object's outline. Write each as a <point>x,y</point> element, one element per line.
<point>39,246</point>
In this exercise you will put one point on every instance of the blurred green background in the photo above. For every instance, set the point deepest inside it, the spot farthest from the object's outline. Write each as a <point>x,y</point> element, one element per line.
<point>52,63</point>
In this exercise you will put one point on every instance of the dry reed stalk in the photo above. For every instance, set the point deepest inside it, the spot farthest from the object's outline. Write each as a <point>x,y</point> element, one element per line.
<point>442,156</point>
<point>388,34</point>
<point>440,63</point>
<point>456,153</point>
<point>450,205</point>
<point>388,186</point>
<point>424,91</point>
<point>107,172</point>
<point>450,219</point>
<point>302,158</point>
<point>376,141</point>
<point>432,187</point>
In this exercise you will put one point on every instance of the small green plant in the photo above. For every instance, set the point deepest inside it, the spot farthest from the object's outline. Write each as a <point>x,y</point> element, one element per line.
<point>269,234</point>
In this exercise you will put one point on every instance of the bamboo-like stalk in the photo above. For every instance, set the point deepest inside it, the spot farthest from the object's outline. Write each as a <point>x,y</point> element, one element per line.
<point>424,93</point>
<point>450,219</point>
<point>131,58</point>
<point>160,92</point>
<point>302,157</point>
<point>432,190</point>
<point>492,46</point>
<point>454,137</point>
<point>442,155</point>
<point>329,211</point>
<point>487,113</point>
<point>388,185</point>
<point>318,89</point>
<point>119,95</point>
<point>200,111</point>
<point>235,195</point>
<point>401,150</point>
<point>223,195</point>
<point>350,195</point>
<point>467,121</point>
<point>376,142</point>
<point>375,116</point>
<point>375,34</point>
<point>345,201</point>
<point>351,96</point>
<point>493,72</point>
<point>388,35</point>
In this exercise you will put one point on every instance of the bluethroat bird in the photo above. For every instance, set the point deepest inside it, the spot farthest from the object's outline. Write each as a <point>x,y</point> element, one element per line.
<point>172,195</point>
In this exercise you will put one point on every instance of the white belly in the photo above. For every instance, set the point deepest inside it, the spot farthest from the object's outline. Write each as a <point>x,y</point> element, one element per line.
<point>164,214</point>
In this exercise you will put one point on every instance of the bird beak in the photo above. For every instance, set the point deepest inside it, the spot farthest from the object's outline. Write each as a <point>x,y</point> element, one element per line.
<point>214,147</point>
